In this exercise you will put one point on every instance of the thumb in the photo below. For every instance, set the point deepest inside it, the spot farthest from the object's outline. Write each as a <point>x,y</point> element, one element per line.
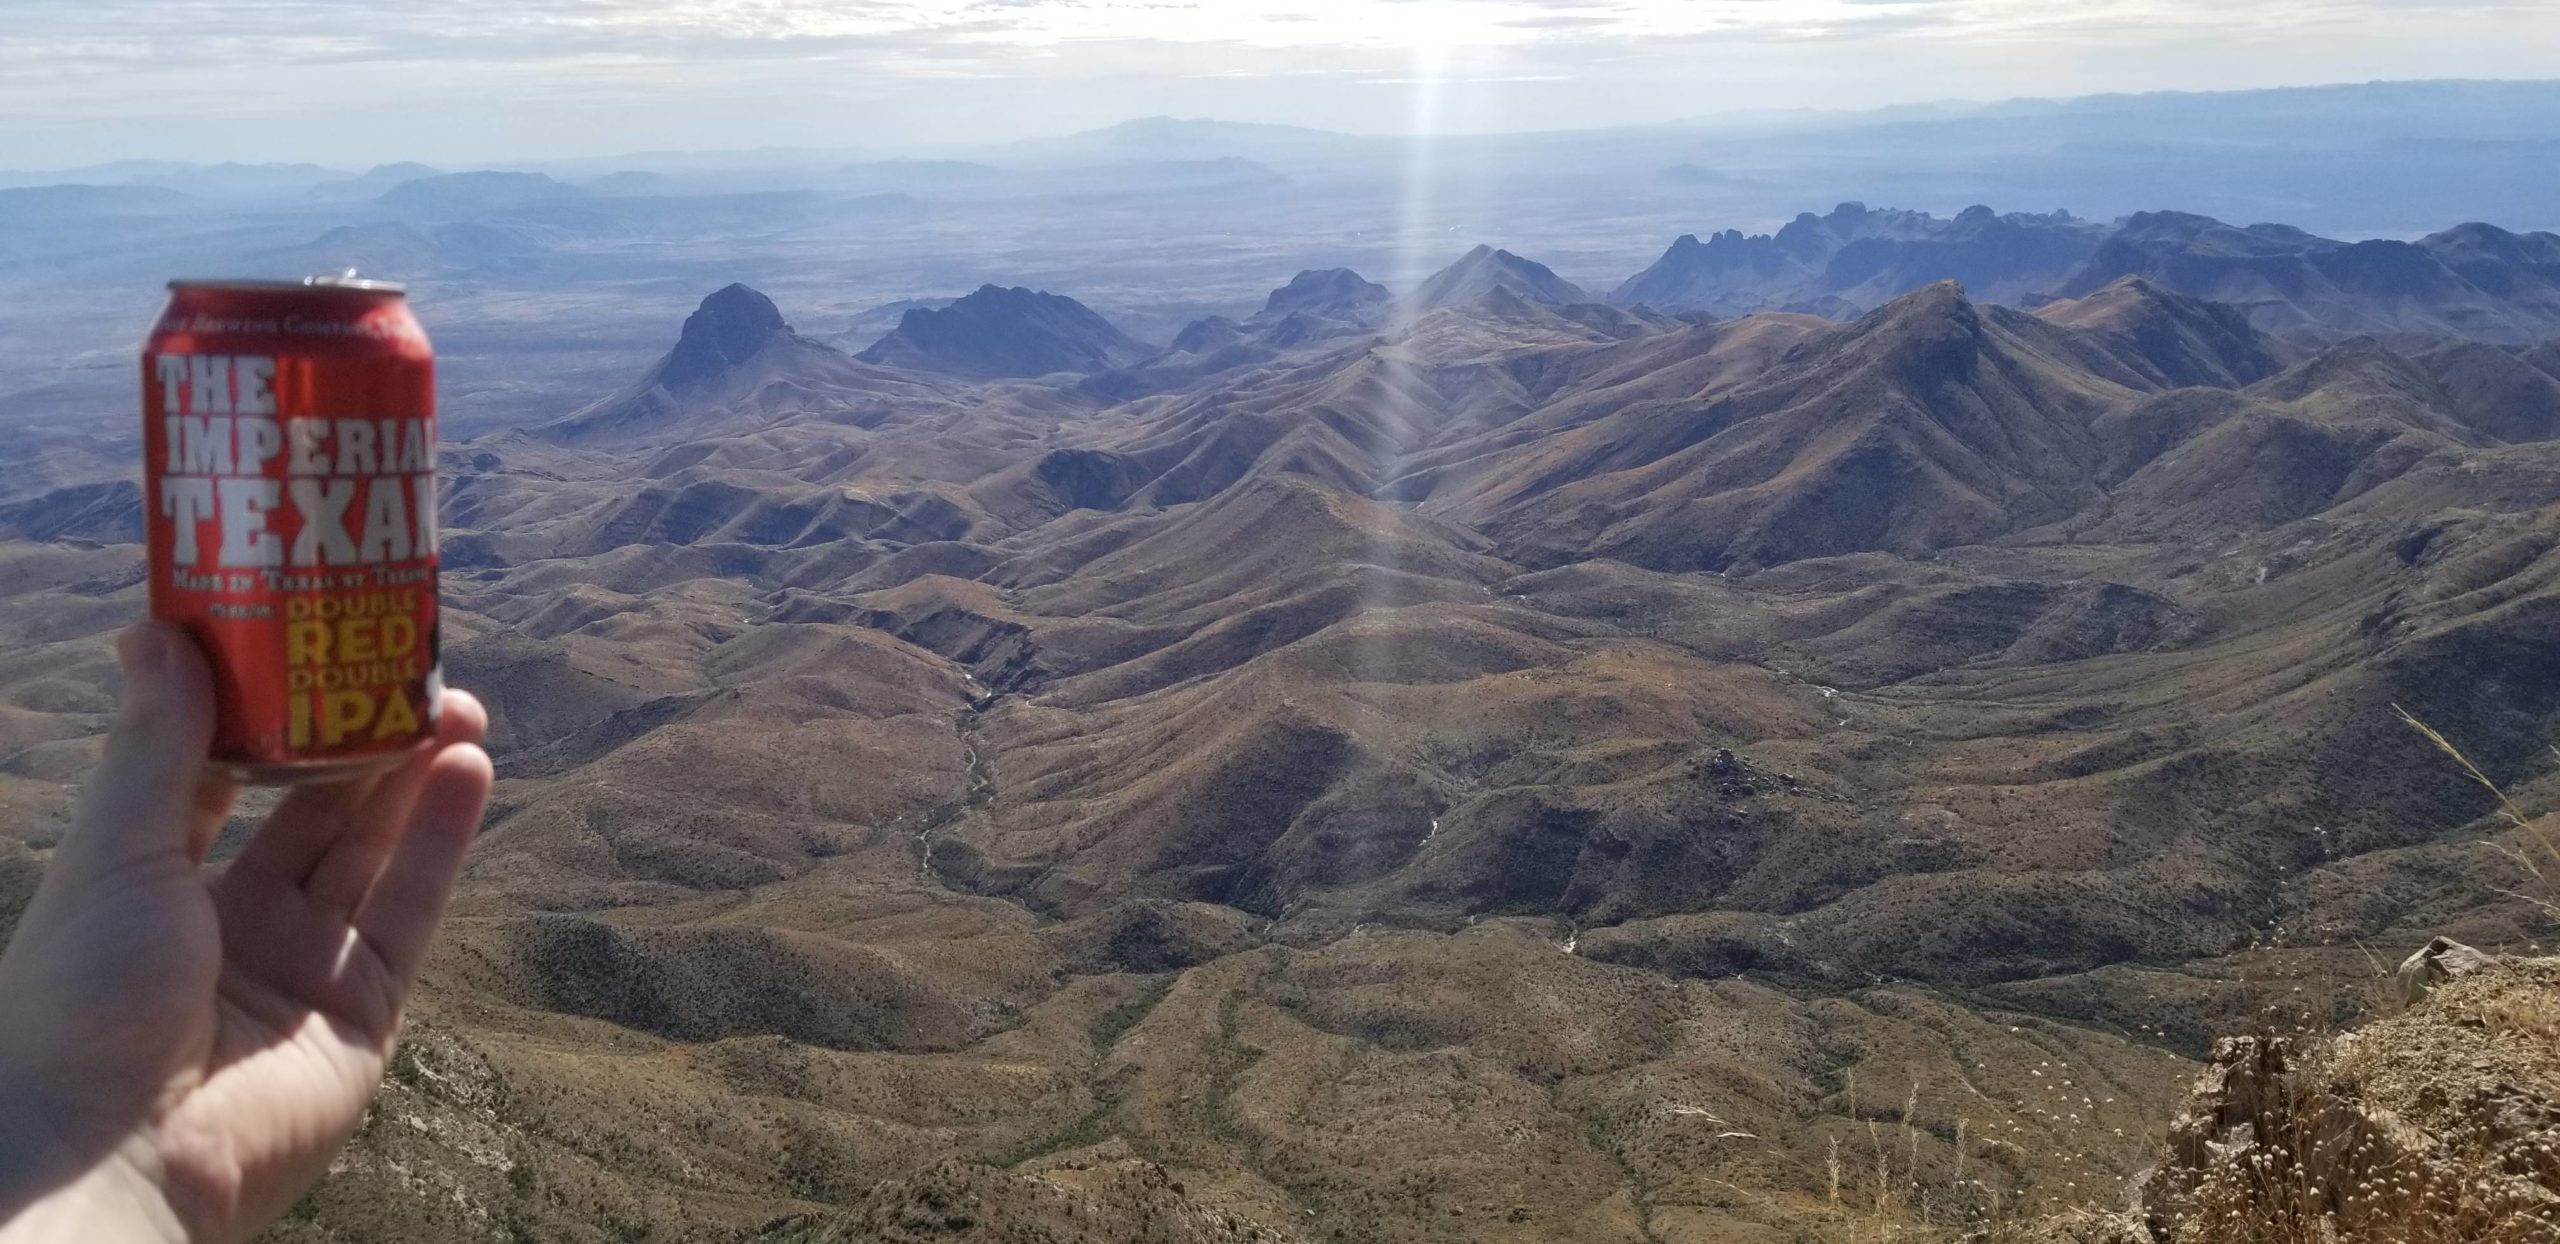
<point>141,801</point>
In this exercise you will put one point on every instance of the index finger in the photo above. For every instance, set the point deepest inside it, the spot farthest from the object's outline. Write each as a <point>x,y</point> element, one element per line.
<point>142,803</point>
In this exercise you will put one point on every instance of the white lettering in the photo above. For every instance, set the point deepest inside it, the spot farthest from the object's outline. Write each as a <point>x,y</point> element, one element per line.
<point>323,537</point>
<point>209,384</point>
<point>260,441</point>
<point>310,439</point>
<point>203,445</point>
<point>172,369</point>
<point>186,503</point>
<point>425,512</point>
<point>355,447</point>
<point>255,377</point>
<point>386,523</point>
<point>245,505</point>
<point>417,453</point>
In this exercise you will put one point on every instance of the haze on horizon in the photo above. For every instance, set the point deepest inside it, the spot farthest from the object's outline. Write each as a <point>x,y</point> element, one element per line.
<point>86,81</point>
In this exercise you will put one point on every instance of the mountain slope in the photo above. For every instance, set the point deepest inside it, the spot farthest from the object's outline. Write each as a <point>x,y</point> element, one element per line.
<point>996,333</point>
<point>1930,422</point>
<point>2506,288</point>
<point>735,359</point>
<point>1528,772</point>
<point>2173,340</point>
<point>1485,273</point>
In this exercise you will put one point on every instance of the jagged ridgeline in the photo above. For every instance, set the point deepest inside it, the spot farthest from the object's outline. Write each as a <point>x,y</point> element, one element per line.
<point>1810,745</point>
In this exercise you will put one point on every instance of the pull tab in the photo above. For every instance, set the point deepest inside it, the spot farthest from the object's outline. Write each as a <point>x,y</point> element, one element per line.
<point>347,279</point>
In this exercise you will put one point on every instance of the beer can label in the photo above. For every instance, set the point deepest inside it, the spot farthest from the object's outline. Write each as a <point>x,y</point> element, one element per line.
<point>291,516</point>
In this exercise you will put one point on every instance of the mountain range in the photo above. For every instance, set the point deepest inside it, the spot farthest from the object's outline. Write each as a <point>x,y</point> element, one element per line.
<point>2474,280</point>
<point>1482,761</point>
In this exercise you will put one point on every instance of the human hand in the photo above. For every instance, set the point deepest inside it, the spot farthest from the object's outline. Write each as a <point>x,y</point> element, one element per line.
<point>181,1054</point>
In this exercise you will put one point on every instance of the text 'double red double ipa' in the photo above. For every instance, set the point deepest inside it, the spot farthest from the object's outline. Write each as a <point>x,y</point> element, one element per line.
<point>289,441</point>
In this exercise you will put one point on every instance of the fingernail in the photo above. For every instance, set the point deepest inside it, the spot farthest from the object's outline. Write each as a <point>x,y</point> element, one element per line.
<point>142,650</point>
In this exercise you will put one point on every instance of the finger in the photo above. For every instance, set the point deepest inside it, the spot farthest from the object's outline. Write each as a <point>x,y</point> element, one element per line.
<point>399,916</point>
<point>462,718</point>
<point>142,800</point>
<point>346,869</point>
<point>314,822</point>
<point>216,791</point>
<point>305,822</point>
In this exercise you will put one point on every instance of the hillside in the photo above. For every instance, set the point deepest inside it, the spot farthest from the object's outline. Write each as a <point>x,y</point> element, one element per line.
<point>2430,1123</point>
<point>2475,280</point>
<point>1005,332</point>
<point>1458,764</point>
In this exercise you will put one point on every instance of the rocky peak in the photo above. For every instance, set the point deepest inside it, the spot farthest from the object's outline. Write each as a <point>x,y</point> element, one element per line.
<point>1486,269</point>
<point>726,330</point>
<point>1329,291</point>
<point>1006,332</point>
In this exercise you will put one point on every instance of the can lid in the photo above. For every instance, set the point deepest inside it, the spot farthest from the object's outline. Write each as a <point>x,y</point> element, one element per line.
<point>346,280</point>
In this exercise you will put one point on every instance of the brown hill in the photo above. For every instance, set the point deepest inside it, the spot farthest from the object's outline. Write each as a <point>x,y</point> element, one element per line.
<point>1334,796</point>
<point>2173,341</point>
<point>1931,422</point>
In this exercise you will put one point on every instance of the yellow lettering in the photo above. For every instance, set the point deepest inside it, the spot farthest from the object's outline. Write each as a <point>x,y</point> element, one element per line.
<point>357,640</point>
<point>305,643</point>
<point>397,718</point>
<point>342,714</point>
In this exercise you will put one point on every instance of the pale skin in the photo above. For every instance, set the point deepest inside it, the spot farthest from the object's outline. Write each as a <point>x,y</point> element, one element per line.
<point>182,1051</point>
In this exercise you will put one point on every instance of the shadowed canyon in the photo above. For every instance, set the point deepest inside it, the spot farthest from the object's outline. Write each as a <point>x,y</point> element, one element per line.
<point>1822,733</point>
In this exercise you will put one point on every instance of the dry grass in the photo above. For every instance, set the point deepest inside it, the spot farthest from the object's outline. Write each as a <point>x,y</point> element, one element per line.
<point>2539,857</point>
<point>2316,1167</point>
<point>2289,1149</point>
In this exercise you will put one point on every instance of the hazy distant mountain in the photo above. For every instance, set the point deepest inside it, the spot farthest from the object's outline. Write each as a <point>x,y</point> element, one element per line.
<point>1485,272</point>
<point>399,250</point>
<point>1049,176</point>
<point>633,181</point>
<point>1179,138</point>
<point>243,181</point>
<point>73,202</point>
<point>922,176</point>
<point>1315,305</point>
<point>373,181</point>
<point>1168,176</point>
<point>1337,292</point>
<point>109,173</point>
<point>998,332</point>
<point>1315,308</point>
<point>467,194</point>
<point>2475,280</point>
<point>872,323</point>
<point>1856,258</point>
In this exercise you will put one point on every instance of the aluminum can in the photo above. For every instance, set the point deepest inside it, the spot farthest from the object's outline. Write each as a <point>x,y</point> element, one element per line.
<point>289,498</point>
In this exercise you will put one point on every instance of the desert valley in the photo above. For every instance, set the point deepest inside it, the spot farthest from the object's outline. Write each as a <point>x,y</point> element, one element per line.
<point>1813,740</point>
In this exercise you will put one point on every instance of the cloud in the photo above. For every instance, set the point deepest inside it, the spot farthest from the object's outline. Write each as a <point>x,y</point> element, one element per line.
<point>78,75</point>
<point>90,33</point>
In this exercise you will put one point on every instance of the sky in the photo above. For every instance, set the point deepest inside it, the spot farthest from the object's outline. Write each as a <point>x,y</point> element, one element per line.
<point>356,82</point>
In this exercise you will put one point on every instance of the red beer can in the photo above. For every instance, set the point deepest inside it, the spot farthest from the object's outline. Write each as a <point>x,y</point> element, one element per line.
<point>289,440</point>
